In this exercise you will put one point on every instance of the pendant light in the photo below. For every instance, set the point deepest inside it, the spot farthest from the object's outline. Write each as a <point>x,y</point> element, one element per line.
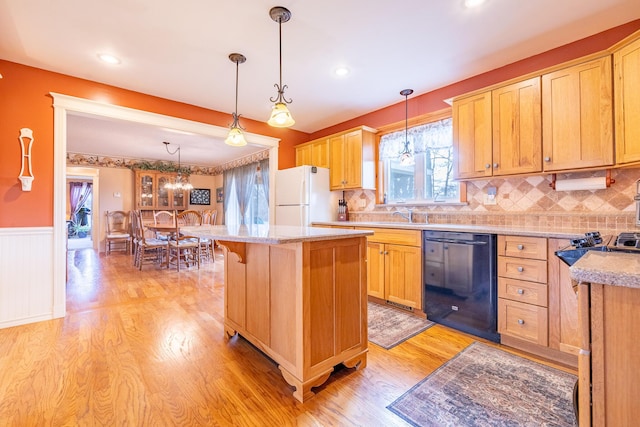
<point>179,183</point>
<point>280,115</point>
<point>406,156</point>
<point>236,137</point>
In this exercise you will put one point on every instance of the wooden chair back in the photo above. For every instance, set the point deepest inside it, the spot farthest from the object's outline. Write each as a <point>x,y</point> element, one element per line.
<point>164,218</point>
<point>189,217</point>
<point>209,216</point>
<point>118,223</point>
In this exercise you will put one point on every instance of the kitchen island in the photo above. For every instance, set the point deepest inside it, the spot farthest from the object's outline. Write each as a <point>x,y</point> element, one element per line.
<point>299,294</point>
<point>609,308</point>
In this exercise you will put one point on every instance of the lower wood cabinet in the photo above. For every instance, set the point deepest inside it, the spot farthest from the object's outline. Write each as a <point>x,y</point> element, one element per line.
<point>394,266</point>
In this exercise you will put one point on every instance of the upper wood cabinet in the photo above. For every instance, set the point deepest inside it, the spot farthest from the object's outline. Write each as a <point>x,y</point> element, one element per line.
<point>517,134</point>
<point>472,137</point>
<point>151,194</point>
<point>577,116</point>
<point>626,86</point>
<point>352,159</point>
<point>313,153</point>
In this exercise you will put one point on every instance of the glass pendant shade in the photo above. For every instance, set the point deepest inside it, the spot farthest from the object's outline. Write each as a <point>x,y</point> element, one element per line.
<point>235,138</point>
<point>280,116</point>
<point>406,159</point>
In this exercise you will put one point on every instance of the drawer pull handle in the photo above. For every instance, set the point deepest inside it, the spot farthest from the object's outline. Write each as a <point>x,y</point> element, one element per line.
<point>520,247</point>
<point>520,269</point>
<point>521,291</point>
<point>520,322</point>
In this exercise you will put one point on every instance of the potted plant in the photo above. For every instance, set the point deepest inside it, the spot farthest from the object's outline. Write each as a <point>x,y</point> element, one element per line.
<point>81,231</point>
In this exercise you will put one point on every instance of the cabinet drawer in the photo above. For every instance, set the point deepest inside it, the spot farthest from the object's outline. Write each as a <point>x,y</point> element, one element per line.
<point>519,290</point>
<point>523,247</point>
<point>395,236</point>
<point>532,270</point>
<point>434,251</point>
<point>433,273</point>
<point>524,321</point>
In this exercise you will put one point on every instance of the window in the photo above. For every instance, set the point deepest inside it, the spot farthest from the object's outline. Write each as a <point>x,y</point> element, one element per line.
<point>430,178</point>
<point>246,190</point>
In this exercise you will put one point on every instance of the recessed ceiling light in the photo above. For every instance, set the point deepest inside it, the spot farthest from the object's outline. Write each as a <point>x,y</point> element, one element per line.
<point>341,71</point>
<point>109,59</point>
<point>473,3</point>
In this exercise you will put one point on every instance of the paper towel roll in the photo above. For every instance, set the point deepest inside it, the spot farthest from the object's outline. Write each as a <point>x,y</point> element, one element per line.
<point>595,183</point>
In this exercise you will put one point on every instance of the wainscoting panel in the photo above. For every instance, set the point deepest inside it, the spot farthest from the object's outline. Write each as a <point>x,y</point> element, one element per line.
<point>26,275</point>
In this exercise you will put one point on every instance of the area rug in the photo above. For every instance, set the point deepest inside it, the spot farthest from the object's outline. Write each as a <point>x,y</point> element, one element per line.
<point>486,386</point>
<point>389,326</point>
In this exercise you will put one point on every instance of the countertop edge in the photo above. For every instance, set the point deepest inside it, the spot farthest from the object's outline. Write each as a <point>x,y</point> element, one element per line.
<point>607,268</point>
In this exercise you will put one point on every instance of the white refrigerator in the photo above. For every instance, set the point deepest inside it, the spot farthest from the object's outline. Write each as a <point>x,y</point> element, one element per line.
<point>303,196</point>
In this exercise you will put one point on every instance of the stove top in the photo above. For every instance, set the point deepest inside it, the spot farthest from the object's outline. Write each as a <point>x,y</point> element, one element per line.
<point>629,240</point>
<point>592,241</point>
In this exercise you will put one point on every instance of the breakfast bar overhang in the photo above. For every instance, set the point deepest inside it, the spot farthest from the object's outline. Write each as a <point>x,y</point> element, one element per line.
<point>299,294</point>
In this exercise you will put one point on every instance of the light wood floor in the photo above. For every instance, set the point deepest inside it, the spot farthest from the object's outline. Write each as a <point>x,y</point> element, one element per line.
<point>148,348</point>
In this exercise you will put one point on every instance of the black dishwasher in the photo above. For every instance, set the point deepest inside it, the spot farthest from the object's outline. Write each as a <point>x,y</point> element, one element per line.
<point>460,281</point>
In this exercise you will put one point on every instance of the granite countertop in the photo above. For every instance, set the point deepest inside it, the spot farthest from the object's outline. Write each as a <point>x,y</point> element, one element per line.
<point>560,233</point>
<point>608,268</point>
<point>270,234</point>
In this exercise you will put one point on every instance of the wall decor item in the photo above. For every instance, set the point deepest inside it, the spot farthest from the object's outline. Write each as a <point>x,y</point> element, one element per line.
<point>200,196</point>
<point>26,177</point>
<point>219,195</point>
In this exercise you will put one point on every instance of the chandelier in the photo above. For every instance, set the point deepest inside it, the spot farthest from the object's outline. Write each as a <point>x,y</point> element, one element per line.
<point>280,115</point>
<point>406,156</point>
<point>180,183</point>
<point>236,137</point>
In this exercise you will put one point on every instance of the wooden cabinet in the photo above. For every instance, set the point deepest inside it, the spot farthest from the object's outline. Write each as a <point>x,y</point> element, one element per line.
<point>498,132</point>
<point>609,381</point>
<point>472,148</point>
<point>151,194</point>
<point>394,266</point>
<point>313,153</point>
<point>626,87</point>
<point>522,289</point>
<point>352,159</point>
<point>517,134</point>
<point>564,327</point>
<point>577,116</point>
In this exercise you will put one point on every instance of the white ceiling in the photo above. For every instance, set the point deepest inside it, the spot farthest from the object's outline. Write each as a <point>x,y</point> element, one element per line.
<point>179,50</point>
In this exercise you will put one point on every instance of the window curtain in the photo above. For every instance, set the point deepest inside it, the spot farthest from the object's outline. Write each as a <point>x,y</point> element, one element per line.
<point>78,194</point>
<point>264,174</point>
<point>421,138</point>
<point>227,188</point>
<point>245,180</point>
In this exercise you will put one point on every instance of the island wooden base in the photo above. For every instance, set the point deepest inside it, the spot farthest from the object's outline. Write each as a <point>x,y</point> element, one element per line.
<point>303,304</point>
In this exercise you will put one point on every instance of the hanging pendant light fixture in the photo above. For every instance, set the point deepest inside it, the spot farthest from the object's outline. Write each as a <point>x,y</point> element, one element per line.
<point>236,137</point>
<point>179,183</point>
<point>406,156</point>
<point>280,115</point>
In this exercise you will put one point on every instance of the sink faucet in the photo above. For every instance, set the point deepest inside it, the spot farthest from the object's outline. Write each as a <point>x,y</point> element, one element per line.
<point>408,215</point>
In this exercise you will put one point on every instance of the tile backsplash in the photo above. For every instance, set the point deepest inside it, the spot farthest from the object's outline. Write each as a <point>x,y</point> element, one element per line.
<point>523,201</point>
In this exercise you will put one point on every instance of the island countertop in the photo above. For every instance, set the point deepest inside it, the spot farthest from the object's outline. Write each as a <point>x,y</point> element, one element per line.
<point>270,234</point>
<point>608,268</point>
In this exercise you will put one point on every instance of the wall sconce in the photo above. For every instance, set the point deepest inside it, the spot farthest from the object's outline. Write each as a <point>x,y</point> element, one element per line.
<point>26,135</point>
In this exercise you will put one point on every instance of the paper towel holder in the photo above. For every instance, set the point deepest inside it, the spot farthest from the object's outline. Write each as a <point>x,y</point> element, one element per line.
<point>608,179</point>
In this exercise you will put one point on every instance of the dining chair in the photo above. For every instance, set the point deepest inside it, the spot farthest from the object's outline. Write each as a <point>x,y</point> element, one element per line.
<point>167,218</point>
<point>193,217</point>
<point>185,249</point>
<point>209,216</point>
<point>150,250</point>
<point>118,232</point>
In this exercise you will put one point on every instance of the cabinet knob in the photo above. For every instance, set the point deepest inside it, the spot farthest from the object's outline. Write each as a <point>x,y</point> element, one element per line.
<point>520,269</point>
<point>520,247</point>
<point>520,322</point>
<point>381,253</point>
<point>495,165</point>
<point>487,166</point>
<point>521,291</point>
<point>547,159</point>
<point>386,252</point>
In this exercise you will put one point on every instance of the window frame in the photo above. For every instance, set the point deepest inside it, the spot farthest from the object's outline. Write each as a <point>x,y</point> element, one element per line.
<point>398,126</point>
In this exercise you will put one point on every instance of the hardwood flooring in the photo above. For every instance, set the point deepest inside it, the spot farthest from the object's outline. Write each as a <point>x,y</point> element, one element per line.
<point>148,348</point>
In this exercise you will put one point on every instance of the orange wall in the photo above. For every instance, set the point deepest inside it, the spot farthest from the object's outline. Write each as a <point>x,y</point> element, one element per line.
<point>433,101</point>
<point>25,102</point>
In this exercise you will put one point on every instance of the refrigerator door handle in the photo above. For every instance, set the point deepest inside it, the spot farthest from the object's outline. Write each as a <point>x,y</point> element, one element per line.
<point>303,187</point>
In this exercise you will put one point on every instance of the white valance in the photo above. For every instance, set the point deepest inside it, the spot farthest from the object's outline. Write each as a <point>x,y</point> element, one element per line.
<point>421,138</point>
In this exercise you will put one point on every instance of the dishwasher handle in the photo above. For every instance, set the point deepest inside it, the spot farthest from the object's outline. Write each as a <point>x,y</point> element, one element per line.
<point>456,241</point>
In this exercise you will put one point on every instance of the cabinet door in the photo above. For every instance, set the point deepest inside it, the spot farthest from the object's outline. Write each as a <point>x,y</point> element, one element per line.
<point>145,190</point>
<point>472,136</point>
<point>320,153</point>
<point>517,122</point>
<point>627,102</point>
<point>303,155</point>
<point>375,269</point>
<point>179,199</point>
<point>163,199</point>
<point>353,160</point>
<point>403,275</point>
<point>337,162</point>
<point>564,326</point>
<point>577,116</point>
